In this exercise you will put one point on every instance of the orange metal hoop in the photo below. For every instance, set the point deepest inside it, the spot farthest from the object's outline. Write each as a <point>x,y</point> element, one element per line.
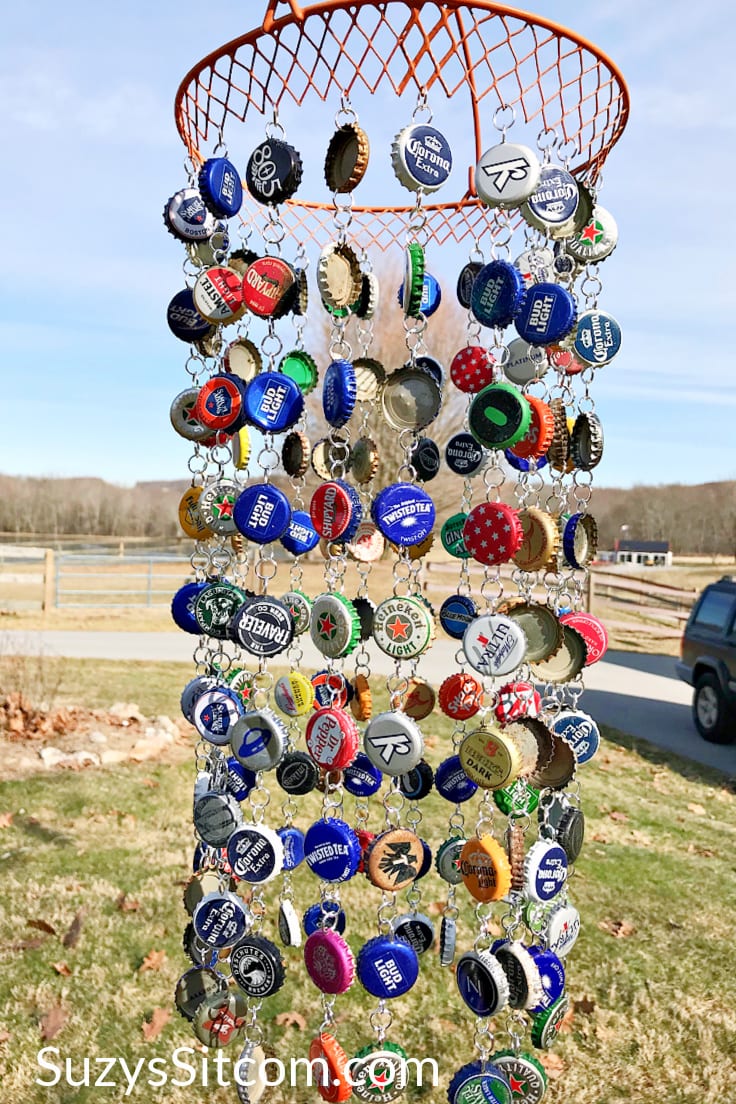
<point>553,79</point>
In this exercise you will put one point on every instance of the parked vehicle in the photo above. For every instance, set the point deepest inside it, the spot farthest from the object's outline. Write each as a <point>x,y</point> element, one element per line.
<point>708,661</point>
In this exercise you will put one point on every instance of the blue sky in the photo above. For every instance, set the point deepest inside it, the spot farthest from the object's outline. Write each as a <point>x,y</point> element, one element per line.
<point>91,154</point>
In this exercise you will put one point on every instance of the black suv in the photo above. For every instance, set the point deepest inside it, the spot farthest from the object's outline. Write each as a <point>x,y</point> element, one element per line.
<point>708,661</point>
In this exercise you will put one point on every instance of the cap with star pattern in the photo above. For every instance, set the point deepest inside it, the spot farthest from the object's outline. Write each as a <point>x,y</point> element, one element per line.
<point>493,533</point>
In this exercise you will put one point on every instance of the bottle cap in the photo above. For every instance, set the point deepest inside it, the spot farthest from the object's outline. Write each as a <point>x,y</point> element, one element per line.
<point>482,983</point>
<point>301,368</point>
<point>425,459</point>
<point>295,453</point>
<point>542,630</point>
<point>263,626</point>
<point>239,781</point>
<point>421,158</point>
<point>452,536</point>
<point>332,1085</point>
<point>187,218</point>
<point>420,699</point>
<point>418,782</point>
<point>526,1075</point>
<point>565,664</point>
<point>539,540</point>
<point>499,416</point>
<point>267,283</point>
<point>220,919</point>
<point>297,773</point>
<point>472,369</point>
<point>367,546</point>
<point>553,204</point>
<point>413,287</point>
<point>404,513</point>
<point>456,613</point>
<point>498,294</point>
<point>274,172</point>
<point>522,973</point>
<point>387,967</point>
<point>464,455</point>
<point>379,1073</point>
<point>262,513</point>
<point>545,870</point>
<point>586,441</point>
<point>431,296</point>
<point>411,399</point>
<point>347,158</point>
<point>394,859</point>
<point>551,977</point>
<point>580,731</point>
<point>479,1082</point>
<point>258,740</point>
<point>492,533</point>
<point>218,295</point>
<point>506,175</point>
<point>273,402</point>
<point>519,798</point>
<point>257,967</point>
<point>216,816</point>
<point>300,536</point>
<point>339,278</point>
<point>300,608</point>
<point>393,743</point>
<point>215,606</point>
<point>332,738</point>
<point>403,627</point>
<point>184,320</point>
<point>465,282</point>
<point>294,694</point>
<point>290,932</point>
<point>592,631</point>
<point>255,853</point>
<point>195,986</point>
<point>332,850</point>
<point>183,418</point>
<point>215,505</point>
<point>597,338</point>
<point>242,359</point>
<point>485,869</point>
<point>331,688</point>
<point>182,607</point>
<point>525,362</point>
<point>490,757</point>
<point>220,187</point>
<point>214,714</point>
<point>219,1019</point>
<point>563,928</point>
<point>451,781</point>
<point>362,778</point>
<point>369,377</point>
<point>596,240</point>
<point>540,434</point>
<point>546,1025</point>
<point>461,696</point>
<point>326,915</point>
<point>329,961</point>
<point>536,265</point>
<point>193,691</point>
<point>547,315</point>
<point>447,859</point>
<point>339,391</point>
<point>334,625</point>
<point>332,509</point>
<point>416,928</point>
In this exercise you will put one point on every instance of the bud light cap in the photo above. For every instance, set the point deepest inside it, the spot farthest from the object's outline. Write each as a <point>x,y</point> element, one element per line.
<point>332,850</point>
<point>239,781</point>
<point>548,314</point>
<point>262,513</point>
<point>182,607</point>
<point>273,402</point>
<point>497,295</point>
<point>362,778</point>
<point>184,320</point>
<point>187,218</point>
<point>220,187</point>
<point>404,513</point>
<point>451,781</point>
<point>301,535</point>
<point>386,967</point>
<point>339,392</point>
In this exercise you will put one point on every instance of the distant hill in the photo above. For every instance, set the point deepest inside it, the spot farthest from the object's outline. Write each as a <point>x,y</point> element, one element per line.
<point>694,518</point>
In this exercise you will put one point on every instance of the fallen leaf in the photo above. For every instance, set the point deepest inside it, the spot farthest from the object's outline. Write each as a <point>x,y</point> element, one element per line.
<point>699,810</point>
<point>126,904</point>
<point>616,815</point>
<point>6,820</point>
<point>152,1028</point>
<point>72,936</point>
<point>619,929</point>
<point>61,968</point>
<point>567,1021</point>
<point>151,783</point>
<point>52,1022</point>
<point>154,960</point>
<point>291,1019</point>
<point>553,1064</point>
<point>30,944</point>
<point>586,1006</point>
<point>41,925</point>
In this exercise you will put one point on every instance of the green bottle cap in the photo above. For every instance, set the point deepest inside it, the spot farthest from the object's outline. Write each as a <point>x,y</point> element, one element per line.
<point>452,536</point>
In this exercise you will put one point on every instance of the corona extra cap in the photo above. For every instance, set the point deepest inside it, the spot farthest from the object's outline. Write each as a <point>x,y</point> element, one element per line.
<point>422,158</point>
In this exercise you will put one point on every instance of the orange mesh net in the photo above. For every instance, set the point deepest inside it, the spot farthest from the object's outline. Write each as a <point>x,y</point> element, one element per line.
<point>485,52</point>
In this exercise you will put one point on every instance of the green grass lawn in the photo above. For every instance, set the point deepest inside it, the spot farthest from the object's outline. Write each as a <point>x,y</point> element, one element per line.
<point>660,1024</point>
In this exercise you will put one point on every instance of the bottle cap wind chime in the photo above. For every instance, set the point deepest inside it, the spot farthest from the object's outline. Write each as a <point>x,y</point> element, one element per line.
<point>535,110</point>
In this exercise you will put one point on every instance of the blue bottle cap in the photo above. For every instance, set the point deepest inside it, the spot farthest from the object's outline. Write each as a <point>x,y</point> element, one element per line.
<point>331,688</point>
<point>220,187</point>
<point>580,731</point>
<point>404,513</point>
<point>482,1084</point>
<point>356,514</point>
<point>554,201</point>
<point>184,320</point>
<point>193,691</point>
<point>293,840</point>
<point>387,967</point>
<point>339,393</point>
<point>421,157</point>
<point>201,853</point>
<point>551,975</point>
<point>362,778</point>
<point>324,915</point>
<point>417,782</point>
<point>239,781</point>
<point>426,863</point>
<point>598,337</point>
<point>482,982</point>
<point>273,402</point>
<point>214,714</point>
<point>547,315</point>
<point>433,366</point>
<point>255,853</point>
<point>463,454</point>
<point>300,536</point>
<point>456,613</point>
<point>262,513</point>
<point>220,919</point>
<point>520,464</point>
<point>451,781</point>
<point>332,850</point>
<point>431,295</point>
<point>498,293</point>
<point>182,607</point>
